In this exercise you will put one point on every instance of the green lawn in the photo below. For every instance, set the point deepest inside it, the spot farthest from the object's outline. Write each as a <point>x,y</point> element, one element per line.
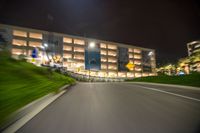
<point>21,83</point>
<point>188,80</point>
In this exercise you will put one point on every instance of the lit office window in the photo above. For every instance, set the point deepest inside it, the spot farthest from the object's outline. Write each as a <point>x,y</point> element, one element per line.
<point>112,46</point>
<point>138,75</point>
<point>79,64</point>
<point>130,75</point>
<point>67,40</point>
<point>103,59</point>
<point>137,68</point>
<point>112,67</point>
<point>102,74</point>
<point>112,60</point>
<point>103,45</point>
<point>137,56</point>
<point>35,44</point>
<point>79,49</point>
<point>122,74</point>
<point>103,52</point>
<point>112,53</point>
<point>138,51</point>
<point>130,56</point>
<point>16,51</point>
<point>152,74</point>
<point>137,62</point>
<point>35,35</point>
<point>79,56</point>
<point>67,56</point>
<point>80,42</point>
<point>67,48</point>
<point>19,42</point>
<point>130,50</point>
<point>145,74</point>
<point>19,33</point>
<point>112,74</point>
<point>66,64</point>
<point>103,66</point>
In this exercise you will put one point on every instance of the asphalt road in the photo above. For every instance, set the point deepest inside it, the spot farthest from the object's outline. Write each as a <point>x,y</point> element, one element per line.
<point>120,108</point>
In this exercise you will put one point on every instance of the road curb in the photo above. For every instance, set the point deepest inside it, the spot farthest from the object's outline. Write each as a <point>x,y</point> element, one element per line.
<point>26,113</point>
<point>169,85</point>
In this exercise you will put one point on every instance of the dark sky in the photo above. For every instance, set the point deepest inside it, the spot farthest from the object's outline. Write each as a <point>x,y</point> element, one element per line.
<point>164,25</point>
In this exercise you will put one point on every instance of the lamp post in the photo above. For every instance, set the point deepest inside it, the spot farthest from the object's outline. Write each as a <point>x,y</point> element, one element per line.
<point>44,47</point>
<point>91,47</point>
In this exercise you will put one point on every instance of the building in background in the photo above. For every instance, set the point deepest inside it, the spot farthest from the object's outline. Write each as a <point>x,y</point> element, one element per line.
<point>80,55</point>
<point>193,47</point>
<point>194,54</point>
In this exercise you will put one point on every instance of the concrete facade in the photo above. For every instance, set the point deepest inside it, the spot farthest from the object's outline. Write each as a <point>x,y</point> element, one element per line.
<point>70,51</point>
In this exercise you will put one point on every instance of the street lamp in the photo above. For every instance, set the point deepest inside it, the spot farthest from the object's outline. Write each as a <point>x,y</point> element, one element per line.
<point>45,45</point>
<point>91,46</point>
<point>150,53</point>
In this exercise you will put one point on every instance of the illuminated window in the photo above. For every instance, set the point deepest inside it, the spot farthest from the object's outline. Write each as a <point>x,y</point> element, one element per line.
<point>78,49</point>
<point>136,62</point>
<point>112,46</point>
<point>136,56</point>
<point>79,64</point>
<point>67,56</point>
<point>80,42</point>
<point>79,56</point>
<point>121,74</point>
<point>66,64</point>
<point>112,53</point>
<point>112,60</point>
<point>103,45</point>
<point>138,75</point>
<point>16,51</point>
<point>152,74</point>
<point>112,74</point>
<point>103,59</point>
<point>35,44</point>
<point>67,40</point>
<point>137,51</point>
<point>145,74</point>
<point>19,33</point>
<point>19,42</point>
<point>67,48</point>
<point>130,75</point>
<point>138,68</point>
<point>130,56</point>
<point>103,66</point>
<point>112,67</point>
<point>102,74</point>
<point>130,50</point>
<point>35,35</point>
<point>103,52</point>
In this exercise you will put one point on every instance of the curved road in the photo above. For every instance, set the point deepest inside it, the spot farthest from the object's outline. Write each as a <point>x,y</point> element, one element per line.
<point>120,108</point>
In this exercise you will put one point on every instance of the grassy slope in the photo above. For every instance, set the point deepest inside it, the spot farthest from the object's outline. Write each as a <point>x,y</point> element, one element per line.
<point>21,83</point>
<point>188,80</point>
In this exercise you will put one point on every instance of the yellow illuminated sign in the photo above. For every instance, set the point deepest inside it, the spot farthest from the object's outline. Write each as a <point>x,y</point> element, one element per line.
<point>130,65</point>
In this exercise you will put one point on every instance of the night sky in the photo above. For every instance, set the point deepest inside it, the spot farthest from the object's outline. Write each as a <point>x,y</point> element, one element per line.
<point>164,25</point>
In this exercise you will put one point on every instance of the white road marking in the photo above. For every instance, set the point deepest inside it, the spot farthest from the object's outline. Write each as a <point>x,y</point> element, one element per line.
<point>154,89</point>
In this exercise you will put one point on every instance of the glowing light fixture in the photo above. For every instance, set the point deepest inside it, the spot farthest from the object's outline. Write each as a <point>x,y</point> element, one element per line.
<point>92,45</point>
<point>45,45</point>
<point>150,53</point>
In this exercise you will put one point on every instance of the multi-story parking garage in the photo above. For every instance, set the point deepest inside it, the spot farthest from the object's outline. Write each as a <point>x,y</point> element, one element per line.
<point>79,54</point>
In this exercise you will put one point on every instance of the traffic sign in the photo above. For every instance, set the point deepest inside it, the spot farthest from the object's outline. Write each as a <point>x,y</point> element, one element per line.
<point>130,65</point>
